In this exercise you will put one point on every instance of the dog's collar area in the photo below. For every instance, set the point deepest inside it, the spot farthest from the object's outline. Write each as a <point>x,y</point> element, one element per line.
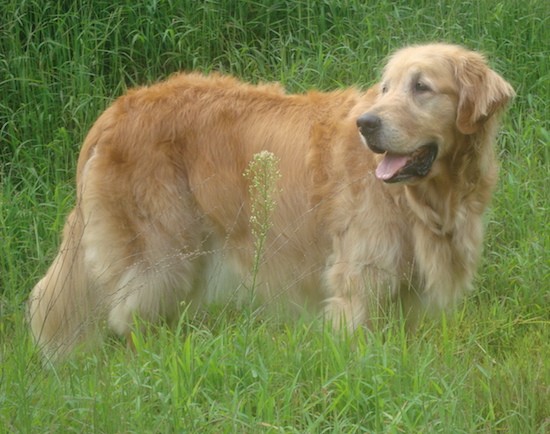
<point>401,167</point>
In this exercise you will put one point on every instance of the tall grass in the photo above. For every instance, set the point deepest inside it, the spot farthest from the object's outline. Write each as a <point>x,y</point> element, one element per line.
<point>483,369</point>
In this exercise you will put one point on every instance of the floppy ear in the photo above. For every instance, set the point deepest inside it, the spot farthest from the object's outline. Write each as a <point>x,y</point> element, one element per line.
<point>481,92</point>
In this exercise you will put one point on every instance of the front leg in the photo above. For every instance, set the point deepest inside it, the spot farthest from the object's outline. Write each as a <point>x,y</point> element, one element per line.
<point>365,268</point>
<point>345,309</point>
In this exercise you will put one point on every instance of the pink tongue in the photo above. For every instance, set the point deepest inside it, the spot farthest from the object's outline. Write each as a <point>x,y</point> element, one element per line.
<point>389,166</point>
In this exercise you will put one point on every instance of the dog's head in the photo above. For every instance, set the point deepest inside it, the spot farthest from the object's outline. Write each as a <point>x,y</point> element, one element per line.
<point>428,96</point>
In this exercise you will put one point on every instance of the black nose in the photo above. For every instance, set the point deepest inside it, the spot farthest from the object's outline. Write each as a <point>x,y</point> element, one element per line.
<point>368,123</point>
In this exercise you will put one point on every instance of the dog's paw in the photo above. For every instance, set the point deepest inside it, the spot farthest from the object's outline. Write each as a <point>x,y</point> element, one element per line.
<point>344,314</point>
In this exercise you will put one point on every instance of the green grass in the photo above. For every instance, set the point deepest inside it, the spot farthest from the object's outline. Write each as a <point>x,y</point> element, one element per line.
<point>484,368</point>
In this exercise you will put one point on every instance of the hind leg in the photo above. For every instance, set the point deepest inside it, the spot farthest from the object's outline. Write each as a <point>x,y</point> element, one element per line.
<point>147,273</point>
<point>152,292</point>
<point>143,237</point>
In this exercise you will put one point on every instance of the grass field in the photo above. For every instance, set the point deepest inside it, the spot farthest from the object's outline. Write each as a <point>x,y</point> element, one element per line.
<point>485,368</point>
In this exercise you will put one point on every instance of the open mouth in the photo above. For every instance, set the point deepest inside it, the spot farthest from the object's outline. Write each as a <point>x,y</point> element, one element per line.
<point>400,167</point>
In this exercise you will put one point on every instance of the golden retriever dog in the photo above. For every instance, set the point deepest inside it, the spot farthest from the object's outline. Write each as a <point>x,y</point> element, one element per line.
<point>379,199</point>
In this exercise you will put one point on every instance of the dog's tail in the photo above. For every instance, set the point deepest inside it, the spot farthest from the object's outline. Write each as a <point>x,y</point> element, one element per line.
<point>61,304</point>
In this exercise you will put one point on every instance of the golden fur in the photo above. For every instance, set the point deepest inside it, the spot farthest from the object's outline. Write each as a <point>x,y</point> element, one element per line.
<point>162,212</point>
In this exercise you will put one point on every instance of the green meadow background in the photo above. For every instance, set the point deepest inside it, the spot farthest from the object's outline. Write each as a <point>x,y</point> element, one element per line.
<point>482,369</point>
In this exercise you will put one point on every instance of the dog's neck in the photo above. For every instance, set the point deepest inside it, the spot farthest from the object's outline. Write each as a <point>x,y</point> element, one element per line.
<point>438,204</point>
<point>432,206</point>
<point>446,220</point>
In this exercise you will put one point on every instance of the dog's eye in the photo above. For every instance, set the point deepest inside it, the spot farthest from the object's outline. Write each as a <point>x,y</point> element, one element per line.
<point>384,88</point>
<point>421,87</point>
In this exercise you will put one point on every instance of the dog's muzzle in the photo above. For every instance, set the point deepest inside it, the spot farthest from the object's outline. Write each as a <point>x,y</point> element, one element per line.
<point>396,167</point>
